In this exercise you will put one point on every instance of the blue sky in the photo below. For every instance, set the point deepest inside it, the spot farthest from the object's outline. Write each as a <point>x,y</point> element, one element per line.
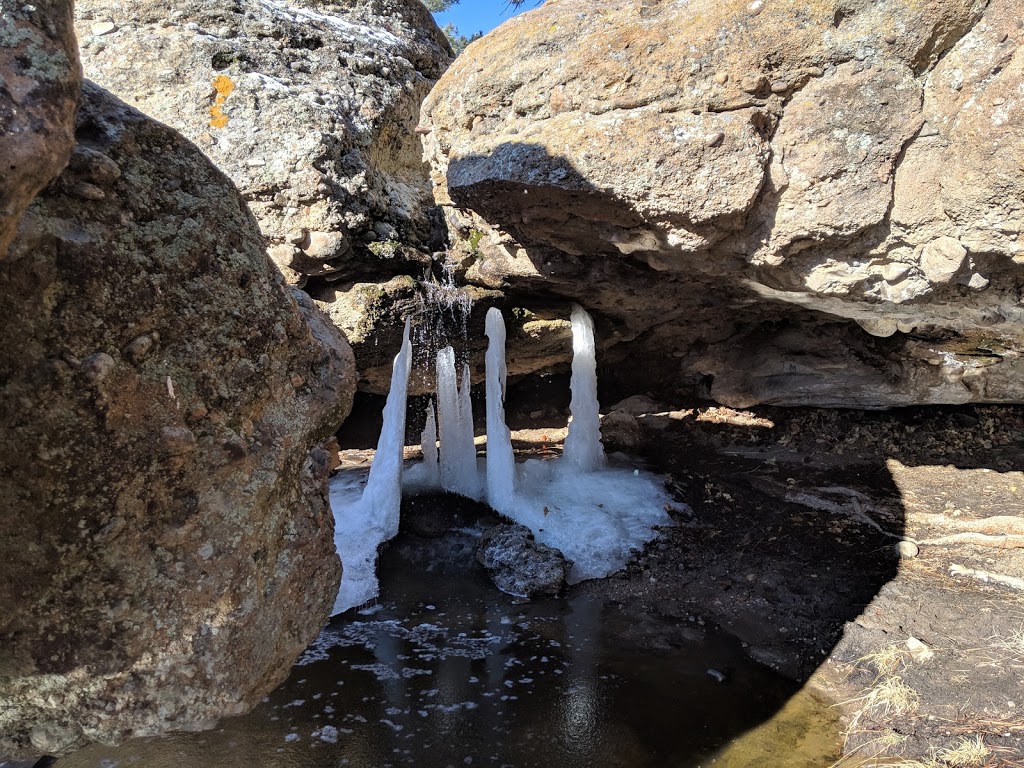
<point>472,16</point>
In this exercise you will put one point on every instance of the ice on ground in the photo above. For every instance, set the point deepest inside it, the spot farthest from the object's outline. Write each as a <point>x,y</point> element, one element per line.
<point>597,519</point>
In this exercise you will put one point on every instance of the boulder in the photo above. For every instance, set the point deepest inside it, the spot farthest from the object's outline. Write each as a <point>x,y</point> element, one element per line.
<point>771,202</point>
<point>520,566</point>
<point>166,543</point>
<point>309,107</point>
<point>39,82</point>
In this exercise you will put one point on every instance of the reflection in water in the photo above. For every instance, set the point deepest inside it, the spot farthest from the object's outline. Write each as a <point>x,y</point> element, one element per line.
<point>447,671</point>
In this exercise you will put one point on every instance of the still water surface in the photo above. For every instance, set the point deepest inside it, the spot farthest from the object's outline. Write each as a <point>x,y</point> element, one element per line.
<point>447,671</point>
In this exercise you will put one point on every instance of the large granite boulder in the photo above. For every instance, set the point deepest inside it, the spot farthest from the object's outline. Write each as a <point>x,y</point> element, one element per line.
<point>39,81</point>
<point>782,203</point>
<point>166,544</point>
<point>309,107</point>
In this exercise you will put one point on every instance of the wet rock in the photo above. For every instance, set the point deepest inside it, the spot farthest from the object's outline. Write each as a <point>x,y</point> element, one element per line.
<point>41,77</point>
<point>520,566</point>
<point>150,578</point>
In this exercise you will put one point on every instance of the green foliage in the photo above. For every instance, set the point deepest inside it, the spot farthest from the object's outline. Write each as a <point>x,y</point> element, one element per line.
<point>456,39</point>
<point>474,241</point>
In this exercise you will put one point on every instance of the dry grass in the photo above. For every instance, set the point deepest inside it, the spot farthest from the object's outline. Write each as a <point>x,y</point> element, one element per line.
<point>887,661</point>
<point>1001,650</point>
<point>969,753</point>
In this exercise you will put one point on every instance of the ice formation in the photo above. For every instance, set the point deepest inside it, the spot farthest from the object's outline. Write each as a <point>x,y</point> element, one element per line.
<point>431,469</point>
<point>597,515</point>
<point>459,473</point>
<point>364,519</point>
<point>501,465</point>
<point>583,446</point>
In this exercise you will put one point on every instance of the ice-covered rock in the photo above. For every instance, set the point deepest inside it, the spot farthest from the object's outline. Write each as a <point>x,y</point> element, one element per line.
<point>520,566</point>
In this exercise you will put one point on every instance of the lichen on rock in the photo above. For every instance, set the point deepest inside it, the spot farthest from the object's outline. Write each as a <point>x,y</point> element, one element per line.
<point>166,546</point>
<point>39,81</point>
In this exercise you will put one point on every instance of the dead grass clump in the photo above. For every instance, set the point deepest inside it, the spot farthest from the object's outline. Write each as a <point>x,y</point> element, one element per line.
<point>969,753</point>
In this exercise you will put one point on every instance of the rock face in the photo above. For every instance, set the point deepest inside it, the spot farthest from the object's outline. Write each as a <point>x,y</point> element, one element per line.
<point>165,538</point>
<point>787,203</point>
<point>309,107</point>
<point>39,82</point>
<point>520,566</point>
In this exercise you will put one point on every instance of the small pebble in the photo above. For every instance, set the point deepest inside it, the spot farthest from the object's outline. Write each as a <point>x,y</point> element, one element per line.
<point>780,86</point>
<point>756,7</point>
<point>86,191</point>
<point>908,549</point>
<point>721,78</point>
<point>713,139</point>
<point>103,28</point>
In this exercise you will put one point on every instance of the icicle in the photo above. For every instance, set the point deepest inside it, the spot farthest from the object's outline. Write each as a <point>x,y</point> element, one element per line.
<point>384,485</point>
<point>455,422</point>
<point>361,526</point>
<point>428,442</point>
<point>583,446</point>
<point>500,460</point>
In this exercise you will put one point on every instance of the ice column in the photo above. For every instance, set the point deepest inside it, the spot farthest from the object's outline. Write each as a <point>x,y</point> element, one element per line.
<point>500,461</point>
<point>428,442</point>
<point>382,497</point>
<point>362,523</point>
<point>583,448</point>
<point>455,416</point>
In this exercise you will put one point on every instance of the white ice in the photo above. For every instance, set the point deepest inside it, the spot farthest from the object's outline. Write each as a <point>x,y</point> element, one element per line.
<point>428,444</point>
<point>597,515</point>
<point>364,518</point>
<point>583,446</point>
<point>500,460</point>
<point>459,472</point>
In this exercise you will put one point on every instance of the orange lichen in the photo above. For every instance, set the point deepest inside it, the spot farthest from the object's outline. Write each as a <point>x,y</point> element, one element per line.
<point>223,85</point>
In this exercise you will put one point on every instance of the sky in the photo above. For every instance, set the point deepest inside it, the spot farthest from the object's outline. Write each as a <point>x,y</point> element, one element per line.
<point>472,16</point>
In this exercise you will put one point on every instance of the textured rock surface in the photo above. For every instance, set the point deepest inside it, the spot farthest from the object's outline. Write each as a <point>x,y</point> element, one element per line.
<point>39,82</point>
<point>372,316</point>
<point>519,565</point>
<point>309,107</point>
<point>785,202</point>
<point>165,539</point>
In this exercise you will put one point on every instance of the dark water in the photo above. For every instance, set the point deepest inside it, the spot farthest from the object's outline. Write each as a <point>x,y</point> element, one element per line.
<point>446,671</point>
